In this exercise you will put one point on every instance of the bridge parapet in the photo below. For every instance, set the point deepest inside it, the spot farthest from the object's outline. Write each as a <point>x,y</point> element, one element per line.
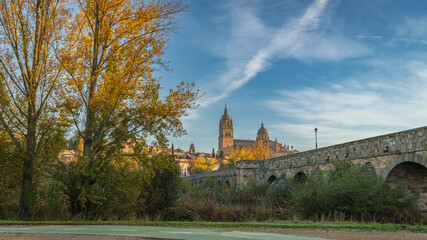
<point>221,176</point>
<point>408,141</point>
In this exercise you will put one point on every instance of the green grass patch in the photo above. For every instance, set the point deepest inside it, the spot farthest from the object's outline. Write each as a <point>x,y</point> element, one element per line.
<point>350,226</point>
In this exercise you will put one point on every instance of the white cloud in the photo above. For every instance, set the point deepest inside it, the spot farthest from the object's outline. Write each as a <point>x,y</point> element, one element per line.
<point>244,59</point>
<point>410,40</point>
<point>253,46</point>
<point>368,105</point>
<point>369,37</point>
<point>331,48</point>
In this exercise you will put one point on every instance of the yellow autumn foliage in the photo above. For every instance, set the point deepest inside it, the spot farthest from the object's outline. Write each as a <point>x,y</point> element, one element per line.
<point>254,152</point>
<point>201,164</point>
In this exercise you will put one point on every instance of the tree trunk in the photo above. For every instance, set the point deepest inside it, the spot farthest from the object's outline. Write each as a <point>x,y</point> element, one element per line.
<point>29,157</point>
<point>90,113</point>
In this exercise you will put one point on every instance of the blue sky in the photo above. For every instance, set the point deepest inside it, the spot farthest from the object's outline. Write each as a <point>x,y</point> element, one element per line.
<point>353,69</point>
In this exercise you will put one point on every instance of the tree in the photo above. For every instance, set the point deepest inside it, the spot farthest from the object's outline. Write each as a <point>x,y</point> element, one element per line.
<point>29,76</point>
<point>113,47</point>
<point>111,94</point>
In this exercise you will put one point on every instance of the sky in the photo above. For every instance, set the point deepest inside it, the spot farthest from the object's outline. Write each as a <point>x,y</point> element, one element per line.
<point>352,69</point>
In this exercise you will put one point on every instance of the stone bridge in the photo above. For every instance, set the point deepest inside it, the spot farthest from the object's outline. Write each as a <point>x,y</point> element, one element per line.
<point>397,157</point>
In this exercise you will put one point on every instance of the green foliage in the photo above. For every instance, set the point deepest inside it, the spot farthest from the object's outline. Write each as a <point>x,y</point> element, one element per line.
<point>50,201</point>
<point>11,165</point>
<point>215,202</point>
<point>177,214</point>
<point>280,193</point>
<point>10,178</point>
<point>160,186</point>
<point>252,193</point>
<point>99,190</point>
<point>347,191</point>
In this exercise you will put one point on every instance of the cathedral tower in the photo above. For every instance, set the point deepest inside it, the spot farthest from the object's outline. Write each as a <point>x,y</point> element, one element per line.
<point>262,135</point>
<point>225,139</point>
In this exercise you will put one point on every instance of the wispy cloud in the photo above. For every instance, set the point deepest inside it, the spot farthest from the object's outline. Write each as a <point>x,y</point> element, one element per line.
<point>412,28</point>
<point>410,40</point>
<point>369,37</point>
<point>331,48</point>
<point>245,60</point>
<point>358,107</point>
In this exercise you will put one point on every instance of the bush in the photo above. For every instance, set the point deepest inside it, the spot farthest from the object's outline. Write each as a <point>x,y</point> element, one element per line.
<point>280,193</point>
<point>160,185</point>
<point>99,189</point>
<point>124,188</point>
<point>177,214</point>
<point>348,192</point>
<point>214,202</point>
<point>50,202</point>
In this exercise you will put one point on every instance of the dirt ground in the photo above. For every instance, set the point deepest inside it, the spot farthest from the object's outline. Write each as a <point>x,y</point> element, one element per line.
<point>359,235</point>
<point>305,233</point>
<point>50,236</point>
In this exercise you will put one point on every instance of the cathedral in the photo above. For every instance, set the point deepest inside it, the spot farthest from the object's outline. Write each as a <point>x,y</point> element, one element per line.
<point>227,144</point>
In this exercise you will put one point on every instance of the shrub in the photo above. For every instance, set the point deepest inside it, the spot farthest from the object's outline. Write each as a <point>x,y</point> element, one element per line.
<point>160,185</point>
<point>177,214</point>
<point>280,193</point>
<point>50,202</point>
<point>98,189</point>
<point>127,187</point>
<point>348,192</point>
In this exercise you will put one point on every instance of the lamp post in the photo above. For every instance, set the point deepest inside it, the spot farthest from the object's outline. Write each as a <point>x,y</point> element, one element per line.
<point>315,133</point>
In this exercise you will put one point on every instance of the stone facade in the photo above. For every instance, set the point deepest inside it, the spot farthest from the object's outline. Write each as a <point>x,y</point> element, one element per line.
<point>398,157</point>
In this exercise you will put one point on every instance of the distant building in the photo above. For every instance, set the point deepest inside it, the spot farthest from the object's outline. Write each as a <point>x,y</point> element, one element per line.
<point>184,158</point>
<point>67,155</point>
<point>192,149</point>
<point>227,144</point>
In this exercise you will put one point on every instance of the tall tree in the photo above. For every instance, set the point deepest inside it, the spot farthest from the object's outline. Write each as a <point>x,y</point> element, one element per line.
<point>29,74</point>
<point>111,92</point>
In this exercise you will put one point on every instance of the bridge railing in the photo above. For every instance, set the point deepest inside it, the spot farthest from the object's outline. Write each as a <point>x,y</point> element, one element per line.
<point>395,143</point>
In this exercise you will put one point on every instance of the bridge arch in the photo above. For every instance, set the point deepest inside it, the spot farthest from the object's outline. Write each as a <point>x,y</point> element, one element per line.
<point>300,177</point>
<point>271,179</point>
<point>410,169</point>
<point>407,157</point>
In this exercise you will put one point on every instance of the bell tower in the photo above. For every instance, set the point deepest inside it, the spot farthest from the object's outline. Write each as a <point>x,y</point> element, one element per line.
<point>225,139</point>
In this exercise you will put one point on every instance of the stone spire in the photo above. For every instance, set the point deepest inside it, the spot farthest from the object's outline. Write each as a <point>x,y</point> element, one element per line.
<point>192,148</point>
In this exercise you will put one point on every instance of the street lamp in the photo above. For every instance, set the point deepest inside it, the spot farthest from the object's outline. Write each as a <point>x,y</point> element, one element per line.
<point>315,133</point>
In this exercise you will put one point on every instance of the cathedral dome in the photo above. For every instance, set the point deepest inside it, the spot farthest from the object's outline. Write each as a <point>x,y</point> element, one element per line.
<point>262,130</point>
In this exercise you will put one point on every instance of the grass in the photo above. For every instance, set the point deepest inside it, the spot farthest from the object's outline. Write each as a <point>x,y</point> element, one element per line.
<point>344,226</point>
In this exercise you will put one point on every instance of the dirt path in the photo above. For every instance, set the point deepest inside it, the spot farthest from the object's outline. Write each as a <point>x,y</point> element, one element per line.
<point>358,235</point>
<point>305,233</point>
<point>52,236</point>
